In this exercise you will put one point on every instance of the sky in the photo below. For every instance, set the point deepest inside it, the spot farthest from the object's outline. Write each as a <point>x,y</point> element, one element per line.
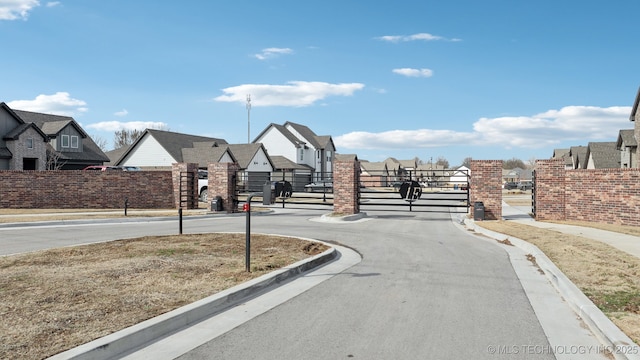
<point>452,79</point>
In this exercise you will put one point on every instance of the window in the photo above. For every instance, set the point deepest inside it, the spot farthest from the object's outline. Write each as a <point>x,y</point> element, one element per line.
<point>65,141</point>
<point>329,156</point>
<point>74,141</point>
<point>30,143</point>
<point>301,154</point>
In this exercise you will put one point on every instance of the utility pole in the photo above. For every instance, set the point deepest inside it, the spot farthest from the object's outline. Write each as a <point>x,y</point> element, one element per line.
<point>248,118</point>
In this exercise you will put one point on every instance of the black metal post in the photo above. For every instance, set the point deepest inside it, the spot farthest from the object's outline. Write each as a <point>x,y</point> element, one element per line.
<point>126,205</point>
<point>180,220</point>
<point>247,253</point>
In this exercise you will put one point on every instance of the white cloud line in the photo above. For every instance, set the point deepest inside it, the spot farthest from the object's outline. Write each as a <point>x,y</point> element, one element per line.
<point>409,72</point>
<point>269,53</point>
<point>17,9</point>
<point>414,37</point>
<point>59,103</point>
<point>121,113</point>
<point>571,123</point>
<point>294,93</point>
<point>113,126</point>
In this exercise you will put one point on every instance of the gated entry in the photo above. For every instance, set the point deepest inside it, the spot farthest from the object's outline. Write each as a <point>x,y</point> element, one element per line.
<point>287,188</point>
<point>425,190</point>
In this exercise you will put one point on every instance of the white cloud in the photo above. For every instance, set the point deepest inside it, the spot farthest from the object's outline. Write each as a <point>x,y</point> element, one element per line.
<point>121,113</point>
<point>16,9</point>
<point>294,93</point>
<point>53,3</point>
<point>272,52</point>
<point>59,103</point>
<point>113,126</point>
<point>414,72</point>
<point>579,124</point>
<point>414,37</point>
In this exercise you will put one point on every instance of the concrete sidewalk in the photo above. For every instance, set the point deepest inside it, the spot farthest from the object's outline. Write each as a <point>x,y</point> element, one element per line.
<point>627,243</point>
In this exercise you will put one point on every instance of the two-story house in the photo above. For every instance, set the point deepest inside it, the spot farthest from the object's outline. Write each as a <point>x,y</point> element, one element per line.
<point>36,141</point>
<point>301,145</point>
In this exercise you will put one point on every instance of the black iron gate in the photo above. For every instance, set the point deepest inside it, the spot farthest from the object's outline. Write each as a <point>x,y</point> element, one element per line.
<point>289,188</point>
<point>414,189</point>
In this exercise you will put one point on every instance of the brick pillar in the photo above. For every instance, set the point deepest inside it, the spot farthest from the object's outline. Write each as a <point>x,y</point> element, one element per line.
<point>550,190</point>
<point>486,186</point>
<point>346,185</point>
<point>189,196</point>
<point>222,182</point>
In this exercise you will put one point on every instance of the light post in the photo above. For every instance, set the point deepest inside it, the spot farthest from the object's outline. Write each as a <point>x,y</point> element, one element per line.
<point>248,118</point>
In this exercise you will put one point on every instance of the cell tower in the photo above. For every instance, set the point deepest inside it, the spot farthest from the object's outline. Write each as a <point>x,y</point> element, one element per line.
<point>248,118</point>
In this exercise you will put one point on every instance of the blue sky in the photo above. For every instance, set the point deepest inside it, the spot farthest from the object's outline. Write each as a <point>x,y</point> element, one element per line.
<point>428,79</point>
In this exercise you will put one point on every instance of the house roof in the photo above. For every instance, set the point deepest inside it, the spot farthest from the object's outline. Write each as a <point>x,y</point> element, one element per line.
<point>173,142</point>
<point>634,110</point>
<point>5,153</point>
<point>306,133</point>
<point>284,131</point>
<point>203,155</point>
<point>244,153</point>
<point>560,153</point>
<point>14,134</point>
<point>346,157</point>
<point>604,155</point>
<point>373,166</point>
<point>579,153</point>
<point>282,163</point>
<point>50,124</point>
<point>626,139</point>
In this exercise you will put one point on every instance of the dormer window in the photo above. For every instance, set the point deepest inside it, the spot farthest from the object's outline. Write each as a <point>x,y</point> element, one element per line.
<point>64,142</point>
<point>74,141</point>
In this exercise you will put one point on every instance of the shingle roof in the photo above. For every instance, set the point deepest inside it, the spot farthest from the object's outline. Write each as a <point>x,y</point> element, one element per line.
<point>306,133</point>
<point>283,130</point>
<point>174,142</point>
<point>373,166</point>
<point>5,153</point>
<point>203,155</point>
<point>579,154</point>
<point>244,153</point>
<point>626,138</point>
<point>282,163</point>
<point>604,155</point>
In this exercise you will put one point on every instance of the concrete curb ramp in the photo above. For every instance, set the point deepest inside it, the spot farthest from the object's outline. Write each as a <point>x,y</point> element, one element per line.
<point>136,336</point>
<point>602,327</point>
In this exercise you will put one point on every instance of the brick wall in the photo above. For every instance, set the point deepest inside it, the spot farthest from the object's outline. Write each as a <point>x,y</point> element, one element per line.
<point>486,186</point>
<point>610,196</point>
<point>222,182</point>
<point>346,186</point>
<point>76,189</point>
<point>185,185</point>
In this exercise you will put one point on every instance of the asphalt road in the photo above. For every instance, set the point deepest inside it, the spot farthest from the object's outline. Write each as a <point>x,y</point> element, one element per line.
<point>423,290</point>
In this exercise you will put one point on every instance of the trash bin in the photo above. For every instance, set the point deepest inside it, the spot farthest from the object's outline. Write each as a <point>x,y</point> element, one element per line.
<point>216,204</point>
<point>478,211</point>
<point>268,193</point>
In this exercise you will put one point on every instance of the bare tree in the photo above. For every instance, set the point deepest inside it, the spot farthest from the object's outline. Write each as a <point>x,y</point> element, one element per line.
<point>54,159</point>
<point>467,162</point>
<point>442,161</point>
<point>126,137</point>
<point>100,141</point>
<point>513,163</point>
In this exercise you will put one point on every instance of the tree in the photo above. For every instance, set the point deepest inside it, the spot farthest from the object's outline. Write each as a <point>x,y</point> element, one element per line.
<point>442,161</point>
<point>467,162</point>
<point>54,159</point>
<point>100,141</point>
<point>126,137</point>
<point>513,163</point>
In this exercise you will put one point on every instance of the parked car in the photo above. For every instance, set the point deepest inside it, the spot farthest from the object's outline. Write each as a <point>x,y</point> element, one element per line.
<point>103,168</point>
<point>510,185</point>
<point>131,168</point>
<point>203,185</point>
<point>319,186</point>
<point>525,185</point>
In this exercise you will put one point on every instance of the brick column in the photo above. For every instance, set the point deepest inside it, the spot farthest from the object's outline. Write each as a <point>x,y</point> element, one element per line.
<point>222,182</point>
<point>550,190</point>
<point>346,185</point>
<point>486,186</point>
<point>190,188</point>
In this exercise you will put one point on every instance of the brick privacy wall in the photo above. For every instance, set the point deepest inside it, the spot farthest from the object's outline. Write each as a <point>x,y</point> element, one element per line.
<point>346,187</point>
<point>185,192</point>
<point>77,189</point>
<point>550,190</point>
<point>486,186</point>
<point>222,182</point>
<point>610,196</point>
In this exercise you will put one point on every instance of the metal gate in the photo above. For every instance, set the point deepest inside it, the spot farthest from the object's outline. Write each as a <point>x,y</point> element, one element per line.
<point>425,190</point>
<point>289,188</point>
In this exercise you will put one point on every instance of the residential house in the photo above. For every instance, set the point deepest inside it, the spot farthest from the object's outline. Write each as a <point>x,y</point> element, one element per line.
<point>254,164</point>
<point>66,145</point>
<point>298,175</point>
<point>374,174</point>
<point>460,176</point>
<point>301,145</point>
<point>23,146</point>
<point>158,149</point>
<point>602,155</point>
<point>635,115</point>
<point>563,154</point>
<point>628,147</point>
<point>579,157</point>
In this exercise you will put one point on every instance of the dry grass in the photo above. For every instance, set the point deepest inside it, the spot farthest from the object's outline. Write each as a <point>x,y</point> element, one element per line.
<point>608,276</point>
<point>53,300</point>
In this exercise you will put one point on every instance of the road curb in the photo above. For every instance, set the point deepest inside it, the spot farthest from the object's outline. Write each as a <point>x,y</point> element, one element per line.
<point>148,331</point>
<point>621,346</point>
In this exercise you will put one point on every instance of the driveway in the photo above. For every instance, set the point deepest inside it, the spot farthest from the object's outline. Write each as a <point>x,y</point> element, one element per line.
<point>425,289</point>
